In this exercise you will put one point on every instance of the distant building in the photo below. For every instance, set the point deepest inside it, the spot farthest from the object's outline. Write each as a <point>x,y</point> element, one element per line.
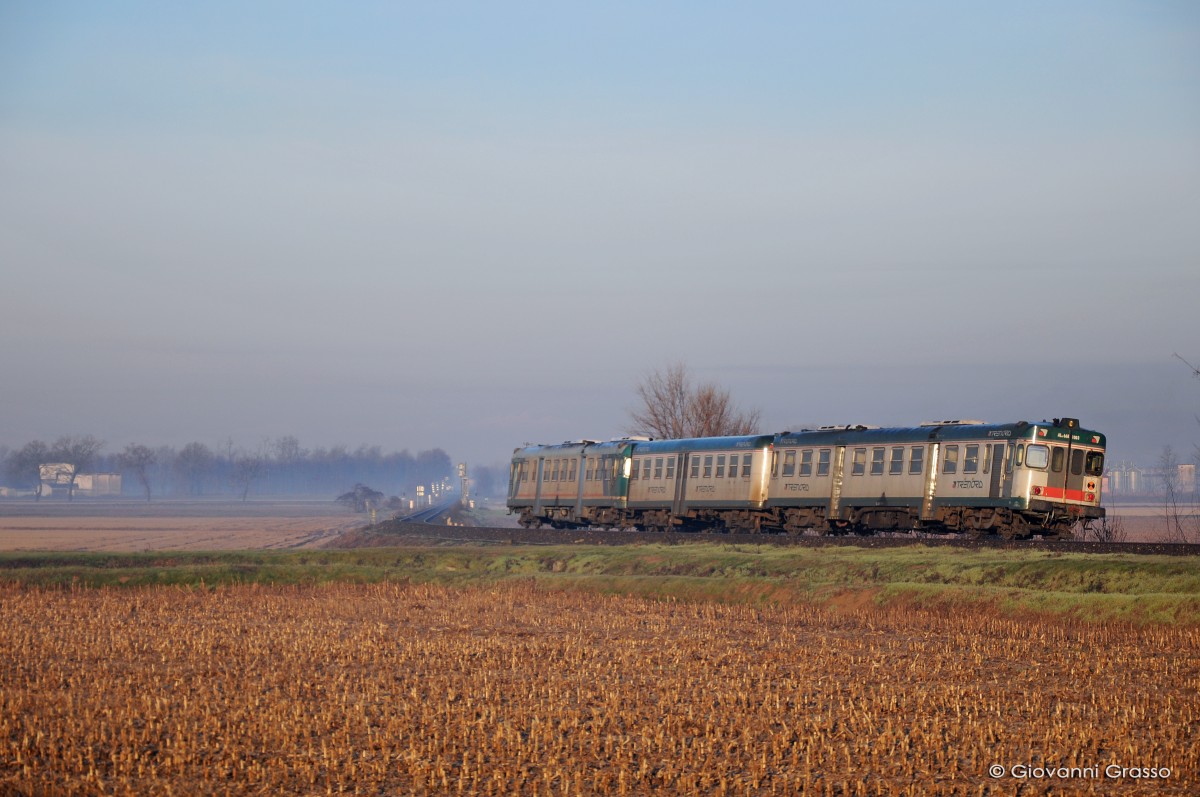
<point>58,476</point>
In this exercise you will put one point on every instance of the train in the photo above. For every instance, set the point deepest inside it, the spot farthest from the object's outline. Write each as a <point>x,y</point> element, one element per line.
<point>1014,480</point>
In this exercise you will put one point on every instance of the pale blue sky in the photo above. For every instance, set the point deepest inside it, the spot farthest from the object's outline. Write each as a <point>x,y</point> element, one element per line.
<point>472,225</point>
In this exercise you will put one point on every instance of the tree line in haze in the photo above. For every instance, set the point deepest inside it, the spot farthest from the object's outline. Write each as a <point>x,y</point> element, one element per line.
<point>277,467</point>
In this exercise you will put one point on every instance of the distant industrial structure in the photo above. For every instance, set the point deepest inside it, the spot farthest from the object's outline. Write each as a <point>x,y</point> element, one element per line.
<point>1124,479</point>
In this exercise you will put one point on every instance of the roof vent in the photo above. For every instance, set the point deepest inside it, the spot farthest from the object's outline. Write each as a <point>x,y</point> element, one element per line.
<point>959,422</point>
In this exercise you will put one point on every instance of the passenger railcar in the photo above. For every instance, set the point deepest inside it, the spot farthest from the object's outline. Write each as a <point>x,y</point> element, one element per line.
<point>1015,479</point>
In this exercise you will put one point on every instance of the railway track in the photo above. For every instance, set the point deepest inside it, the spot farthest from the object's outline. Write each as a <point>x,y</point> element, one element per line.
<point>409,529</point>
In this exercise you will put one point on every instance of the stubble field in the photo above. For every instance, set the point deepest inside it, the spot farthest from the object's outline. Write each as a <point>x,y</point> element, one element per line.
<point>511,689</point>
<point>121,526</point>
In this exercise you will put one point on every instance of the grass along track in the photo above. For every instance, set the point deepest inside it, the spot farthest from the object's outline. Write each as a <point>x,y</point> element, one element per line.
<point>1086,587</point>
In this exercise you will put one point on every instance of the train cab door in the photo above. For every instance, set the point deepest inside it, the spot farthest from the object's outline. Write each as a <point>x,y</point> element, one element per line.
<point>681,462</point>
<point>996,460</point>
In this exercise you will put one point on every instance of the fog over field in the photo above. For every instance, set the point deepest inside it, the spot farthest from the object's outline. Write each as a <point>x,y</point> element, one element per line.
<point>468,227</point>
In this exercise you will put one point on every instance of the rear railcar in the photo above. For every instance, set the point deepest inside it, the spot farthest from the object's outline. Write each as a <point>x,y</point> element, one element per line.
<point>569,485</point>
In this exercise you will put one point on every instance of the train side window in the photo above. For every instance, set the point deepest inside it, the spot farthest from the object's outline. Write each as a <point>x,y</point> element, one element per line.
<point>1077,462</point>
<point>658,463</point>
<point>1036,456</point>
<point>1021,456</point>
<point>646,468</point>
<point>950,462</point>
<point>695,467</point>
<point>1095,463</point>
<point>747,462</point>
<point>554,471</point>
<point>637,468</point>
<point>789,463</point>
<point>916,461</point>
<point>877,455</point>
<point>670,467</point>
<point>545,471</point>
<point>805,462</point>
<point>971,460</point>
<point>1058,458</point>
<point>859,466</point>
<point>896,466</point>
<point>571,477</point>
<point>823,462</point>
<point>708,458</point>
<point>720,466</point>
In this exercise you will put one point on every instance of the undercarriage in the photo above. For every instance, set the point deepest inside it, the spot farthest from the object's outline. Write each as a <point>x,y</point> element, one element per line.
<point>1048,521</point>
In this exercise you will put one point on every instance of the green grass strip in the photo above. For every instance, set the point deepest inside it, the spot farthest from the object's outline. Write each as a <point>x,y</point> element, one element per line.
<point>1087,587</point>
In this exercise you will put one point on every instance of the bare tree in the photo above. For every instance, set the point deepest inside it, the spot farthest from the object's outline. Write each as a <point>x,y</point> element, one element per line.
<point>361,499</point>
<point>138,458</point>
<point>247,469</point>
<point>672,408</point>
<point>78,451</point>
<point>1179,520</point>
<point>193,464</point>
<point>24,466</point>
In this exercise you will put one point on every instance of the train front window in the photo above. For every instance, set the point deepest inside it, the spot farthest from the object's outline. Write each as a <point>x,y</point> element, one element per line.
<point>1036,456</point>
<point>1077,462</point>
<point>1095,463</point>
<point>1058,458</point>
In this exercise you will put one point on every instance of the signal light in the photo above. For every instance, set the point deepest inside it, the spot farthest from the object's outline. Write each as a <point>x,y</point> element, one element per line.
<point>1037,490</point>
<point>1090,496</point>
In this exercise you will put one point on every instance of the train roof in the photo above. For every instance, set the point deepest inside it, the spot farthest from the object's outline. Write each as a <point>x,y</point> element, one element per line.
<point>738,442</point>
<point>1056,429</point>
<point>573,447</point>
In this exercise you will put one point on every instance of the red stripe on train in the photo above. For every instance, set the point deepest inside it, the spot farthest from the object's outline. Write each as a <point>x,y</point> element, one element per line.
<point>1066,495</point>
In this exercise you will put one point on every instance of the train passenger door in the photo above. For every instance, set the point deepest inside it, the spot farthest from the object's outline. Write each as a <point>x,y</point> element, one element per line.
<point>681,462</point>
<point>835,496</point>
<point>537,481</point>
<point>997,464</point>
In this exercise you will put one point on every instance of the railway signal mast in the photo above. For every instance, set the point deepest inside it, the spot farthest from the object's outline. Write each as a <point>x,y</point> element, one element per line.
<point>466,483</point>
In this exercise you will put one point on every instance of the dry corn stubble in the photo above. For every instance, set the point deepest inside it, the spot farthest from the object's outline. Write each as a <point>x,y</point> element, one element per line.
<point>394,689</point>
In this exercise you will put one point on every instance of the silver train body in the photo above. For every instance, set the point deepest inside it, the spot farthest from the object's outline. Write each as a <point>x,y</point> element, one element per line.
<point>1014,480</point>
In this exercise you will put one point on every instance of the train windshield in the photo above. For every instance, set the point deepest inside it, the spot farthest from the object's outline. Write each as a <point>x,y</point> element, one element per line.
<point>1095,463</point>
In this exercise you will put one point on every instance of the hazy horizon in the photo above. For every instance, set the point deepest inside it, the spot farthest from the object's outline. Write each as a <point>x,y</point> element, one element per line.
<point>475,226</point>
